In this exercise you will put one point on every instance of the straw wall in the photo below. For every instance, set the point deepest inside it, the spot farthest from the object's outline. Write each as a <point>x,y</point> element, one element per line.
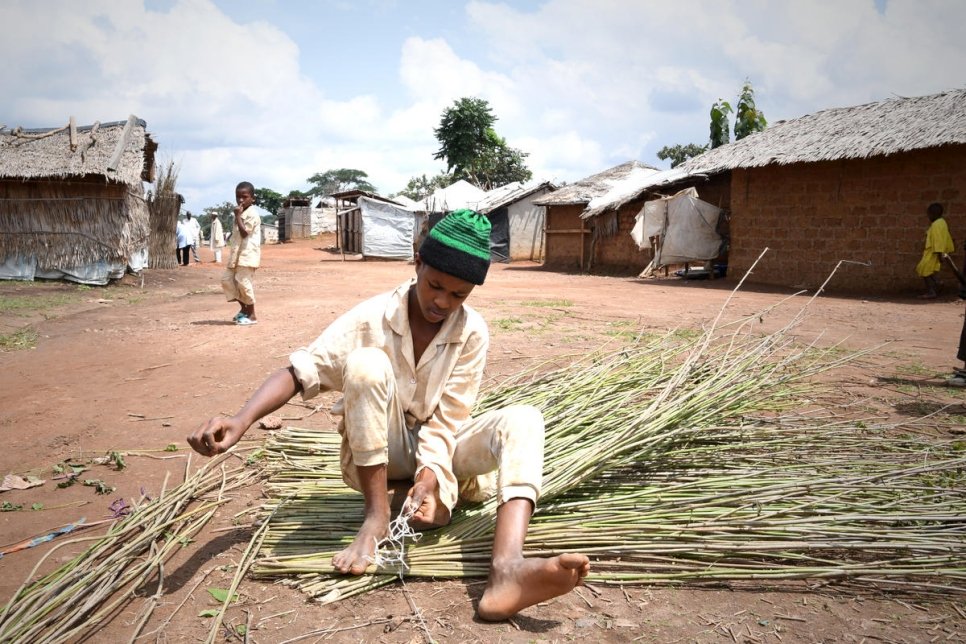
<point>71,223</point>
<point>164,211</point>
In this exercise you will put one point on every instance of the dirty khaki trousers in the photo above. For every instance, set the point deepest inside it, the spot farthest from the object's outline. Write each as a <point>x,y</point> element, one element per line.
<point>498,452</point>
<point>238,283</point>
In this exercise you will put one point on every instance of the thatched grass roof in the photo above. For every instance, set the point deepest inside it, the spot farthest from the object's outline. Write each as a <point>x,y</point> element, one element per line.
<point>510,194</point>
<point>595,185</point>
<point>859,132</point>
<point>120,151</point>
<point>874,129</point>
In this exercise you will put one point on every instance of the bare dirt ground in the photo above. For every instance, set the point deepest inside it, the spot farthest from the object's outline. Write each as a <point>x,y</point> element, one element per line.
<point>136,366</point>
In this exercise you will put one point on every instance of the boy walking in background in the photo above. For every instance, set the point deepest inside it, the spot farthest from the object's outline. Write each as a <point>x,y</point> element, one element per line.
<point>409,364</point>
<point>238,280</point>
<point>938,243</point>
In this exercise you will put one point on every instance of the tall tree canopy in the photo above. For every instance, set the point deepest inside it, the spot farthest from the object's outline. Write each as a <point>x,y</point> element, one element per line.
<point>678,154</point>
<point>268,199</point>
<point>423,186</point>
<point>473,150</point>
<point>720,130</point>
<point>747,117</point>
<point>332,181</point>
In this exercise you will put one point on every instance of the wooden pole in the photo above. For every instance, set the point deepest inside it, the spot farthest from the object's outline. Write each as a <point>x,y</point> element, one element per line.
<point>122,143</point>
<point>73,133</point>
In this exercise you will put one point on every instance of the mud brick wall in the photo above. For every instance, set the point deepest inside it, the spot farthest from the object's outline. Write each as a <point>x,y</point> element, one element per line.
<point>619,254</point>
<point>562,250</point>
<point>811,216</point>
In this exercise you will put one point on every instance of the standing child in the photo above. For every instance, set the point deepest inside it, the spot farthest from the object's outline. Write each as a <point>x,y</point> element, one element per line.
<point>238,280</point>
<point>409,364</point>
<point>216,239</point>
<point>938,243</point>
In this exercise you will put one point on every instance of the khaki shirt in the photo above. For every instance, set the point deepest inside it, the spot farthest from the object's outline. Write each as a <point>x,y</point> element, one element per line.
<point>437,395</point>
<point>246,251</point>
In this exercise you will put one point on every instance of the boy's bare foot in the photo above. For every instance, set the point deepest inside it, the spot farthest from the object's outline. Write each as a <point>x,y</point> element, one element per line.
<point>358,556</point>
<point>520,583</point>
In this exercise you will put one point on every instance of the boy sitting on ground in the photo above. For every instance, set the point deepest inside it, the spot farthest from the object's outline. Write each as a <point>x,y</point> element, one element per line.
<point>409,364</point>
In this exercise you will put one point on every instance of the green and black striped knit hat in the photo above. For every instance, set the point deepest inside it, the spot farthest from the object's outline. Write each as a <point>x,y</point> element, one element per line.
<point>459,245</point>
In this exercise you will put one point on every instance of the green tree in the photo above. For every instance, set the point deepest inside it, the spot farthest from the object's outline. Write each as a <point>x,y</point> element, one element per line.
<point>472,150</point>
<point>268,199</point>
<point>224,211</point>
<point>423,186</point>
<point>462,133</point>
<point>500,164</point>
<point>678,154</point>
<point>332,181</point>
<point>720,130</point>
<point>748,119</point>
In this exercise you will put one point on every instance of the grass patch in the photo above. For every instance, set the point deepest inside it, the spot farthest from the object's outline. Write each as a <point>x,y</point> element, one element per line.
<point>688,334</point>
<point>548,303</point>
<point>620,329</point>
<point>22,304</point>
<point>18,340</point>
<point>508,324</point>
<point>915,369</point>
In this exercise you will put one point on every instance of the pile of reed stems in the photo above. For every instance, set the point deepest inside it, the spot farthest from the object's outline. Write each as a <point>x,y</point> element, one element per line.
<point>74,600</point>
<point>669,461</point>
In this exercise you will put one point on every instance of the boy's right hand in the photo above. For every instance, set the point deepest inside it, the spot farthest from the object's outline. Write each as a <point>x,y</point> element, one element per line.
<point>216,436</point>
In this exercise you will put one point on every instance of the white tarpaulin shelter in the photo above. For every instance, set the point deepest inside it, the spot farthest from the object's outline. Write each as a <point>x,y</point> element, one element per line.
<point>461,194</point>
<point>685,227</point>
<point>380,229</point>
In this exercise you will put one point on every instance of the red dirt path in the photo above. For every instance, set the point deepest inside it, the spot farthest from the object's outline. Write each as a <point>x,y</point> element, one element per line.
<point>137,367</point>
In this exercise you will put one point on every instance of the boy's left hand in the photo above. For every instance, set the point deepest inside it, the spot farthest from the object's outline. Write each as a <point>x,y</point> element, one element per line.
<point>424,496</point>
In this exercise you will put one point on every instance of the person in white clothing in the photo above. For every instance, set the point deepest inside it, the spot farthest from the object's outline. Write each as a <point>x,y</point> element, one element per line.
<point>195,230</point>
<point>216,239</point>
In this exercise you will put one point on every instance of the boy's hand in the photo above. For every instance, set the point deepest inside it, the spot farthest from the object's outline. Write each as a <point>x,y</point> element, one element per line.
<point>216,436</point>
<point>243,205</point>
<point>424,496</point>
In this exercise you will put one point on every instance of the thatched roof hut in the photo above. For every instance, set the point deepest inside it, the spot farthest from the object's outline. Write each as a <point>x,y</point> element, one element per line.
<point>517,222</point>
<point>848,183</point>
<point>569,243</point>
<point>860,132</point>
<point>72,200</point>
<point>581,192</point>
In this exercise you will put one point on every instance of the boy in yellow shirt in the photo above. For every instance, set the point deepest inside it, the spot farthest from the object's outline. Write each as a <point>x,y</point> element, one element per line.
<point>938,243</point>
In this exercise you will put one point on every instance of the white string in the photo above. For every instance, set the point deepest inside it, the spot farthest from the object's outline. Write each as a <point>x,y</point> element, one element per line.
<point>390,552</point>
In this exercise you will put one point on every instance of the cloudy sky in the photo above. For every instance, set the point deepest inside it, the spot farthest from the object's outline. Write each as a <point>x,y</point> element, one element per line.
<point>273,91</point>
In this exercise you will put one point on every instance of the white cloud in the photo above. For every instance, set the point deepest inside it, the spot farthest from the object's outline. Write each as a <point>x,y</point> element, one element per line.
<point>580,85</point>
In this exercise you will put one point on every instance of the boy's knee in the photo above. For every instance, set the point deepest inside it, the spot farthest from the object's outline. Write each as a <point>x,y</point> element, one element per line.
<point>366,366</point>
<point>521,419</point>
